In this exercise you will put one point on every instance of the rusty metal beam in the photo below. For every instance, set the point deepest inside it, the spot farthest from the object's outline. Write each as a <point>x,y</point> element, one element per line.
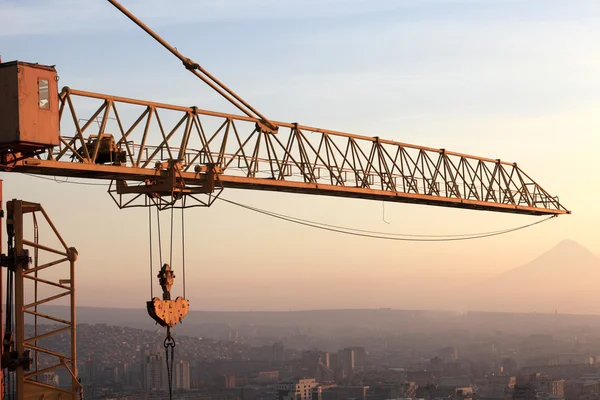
<point>57,168</point>
<point>380,195</point>
<point>208,113</point>
<point>298,159</point>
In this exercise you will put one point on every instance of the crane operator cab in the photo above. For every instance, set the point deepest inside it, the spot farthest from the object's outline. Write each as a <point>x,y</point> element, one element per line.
<point>29,111</point>
<point>29,106</point>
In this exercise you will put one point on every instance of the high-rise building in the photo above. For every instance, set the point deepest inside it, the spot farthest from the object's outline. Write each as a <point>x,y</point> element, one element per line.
<point>360,355</point>
<point>90,370</point>
<point>278,351</point>
<point>154,372</point>
<point>345,364</point>
<point>181,375</point>
<point>346,358</point>
<point>124,371</point>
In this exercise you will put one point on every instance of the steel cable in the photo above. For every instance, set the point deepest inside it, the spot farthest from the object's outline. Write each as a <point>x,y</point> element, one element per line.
<point>159,236</point>
<point>183,249</point>
<point>151,259</point>
<point>171,241</point>
<point>333,228</point>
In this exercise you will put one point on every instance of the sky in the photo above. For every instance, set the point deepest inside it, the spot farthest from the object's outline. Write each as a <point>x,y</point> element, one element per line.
<point>512,79</point>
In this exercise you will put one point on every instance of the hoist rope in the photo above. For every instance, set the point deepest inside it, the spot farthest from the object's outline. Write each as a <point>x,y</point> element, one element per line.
<point>169,343</point>
<point>159,236</point>
<point>183,249</point>
<point>151,258</point>
<point>171,241</point>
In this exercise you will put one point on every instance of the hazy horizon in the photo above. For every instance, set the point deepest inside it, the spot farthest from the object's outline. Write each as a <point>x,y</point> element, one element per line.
<point>509,79</point>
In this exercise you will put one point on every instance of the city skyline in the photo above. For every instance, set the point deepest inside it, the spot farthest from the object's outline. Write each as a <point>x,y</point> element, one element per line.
<point>370,354</point>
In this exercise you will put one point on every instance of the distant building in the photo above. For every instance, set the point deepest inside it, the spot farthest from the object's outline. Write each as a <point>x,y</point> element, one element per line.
<point>344,364</point>
<point>358,392</point>
<point>226,381</point>
<point>360,355</point>
<point>578,389</point>
<point>123,373</point>
<point>278,352</point>
<point>91,371</point>
<point>346,359</point>
<point>498,387</point>
<point>524,391</point>
<point>554,387</point>
<point>318,364</point>
<point>302,389</point>
<point>181,375</point>
<point>268,376</point>
<point>542,385</point>
<point>154,372</point>
<point>394,390</point>
<point>274,352</point>
<point>422,378</point>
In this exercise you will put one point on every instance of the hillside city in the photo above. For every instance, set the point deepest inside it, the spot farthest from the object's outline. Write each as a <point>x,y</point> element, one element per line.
<point>459,363</point>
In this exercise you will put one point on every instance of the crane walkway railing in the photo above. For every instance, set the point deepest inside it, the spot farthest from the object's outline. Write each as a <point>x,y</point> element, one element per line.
<point>295,158</point>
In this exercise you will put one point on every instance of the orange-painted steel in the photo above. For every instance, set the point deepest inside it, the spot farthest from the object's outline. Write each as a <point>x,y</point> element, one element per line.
<point>31,356</point>
<point>230,151</point>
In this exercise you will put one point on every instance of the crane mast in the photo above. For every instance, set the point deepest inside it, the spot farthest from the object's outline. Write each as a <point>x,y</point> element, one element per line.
<point>170,156</point>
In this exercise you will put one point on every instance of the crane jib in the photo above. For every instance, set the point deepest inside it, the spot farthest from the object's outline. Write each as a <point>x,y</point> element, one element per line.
<point>185,156</point>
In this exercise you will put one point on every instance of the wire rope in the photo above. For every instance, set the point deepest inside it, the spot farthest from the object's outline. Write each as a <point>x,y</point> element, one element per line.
<point>183,249</point>
<point>159,236</point>
<point>373,236</point>
<point>151,258</point>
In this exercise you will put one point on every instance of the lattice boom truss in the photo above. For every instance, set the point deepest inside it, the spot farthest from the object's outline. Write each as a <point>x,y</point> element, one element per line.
<point>296,159</point>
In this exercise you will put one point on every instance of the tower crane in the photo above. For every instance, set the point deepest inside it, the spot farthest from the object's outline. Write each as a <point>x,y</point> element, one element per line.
<point>175,157</point>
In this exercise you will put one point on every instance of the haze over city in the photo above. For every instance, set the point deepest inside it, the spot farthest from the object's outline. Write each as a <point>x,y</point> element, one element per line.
<point>516,80</point>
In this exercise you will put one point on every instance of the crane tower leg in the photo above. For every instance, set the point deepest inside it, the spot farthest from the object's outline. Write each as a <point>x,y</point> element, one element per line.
<point>53,375</point>
<point>1,296</point>
<point>17,220</point>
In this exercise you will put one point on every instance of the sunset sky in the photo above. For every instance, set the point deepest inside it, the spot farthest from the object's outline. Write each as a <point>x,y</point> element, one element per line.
<point>512,79</point>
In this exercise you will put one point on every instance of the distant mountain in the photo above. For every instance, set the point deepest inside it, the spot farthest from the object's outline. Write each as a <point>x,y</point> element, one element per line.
<point>568,260</point>
<point>565,277</point>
